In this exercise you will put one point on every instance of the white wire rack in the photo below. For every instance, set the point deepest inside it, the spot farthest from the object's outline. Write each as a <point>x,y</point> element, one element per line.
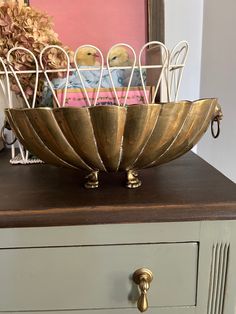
<point>169,75</point>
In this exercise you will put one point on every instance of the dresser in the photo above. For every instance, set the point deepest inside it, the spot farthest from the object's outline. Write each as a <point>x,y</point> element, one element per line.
<point>65,249</point>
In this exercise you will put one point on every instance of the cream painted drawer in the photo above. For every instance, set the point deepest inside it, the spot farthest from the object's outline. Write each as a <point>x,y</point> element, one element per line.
<point>96,277</point>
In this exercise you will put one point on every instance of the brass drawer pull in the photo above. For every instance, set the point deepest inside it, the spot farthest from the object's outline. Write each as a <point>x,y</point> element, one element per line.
<point>143,277</point>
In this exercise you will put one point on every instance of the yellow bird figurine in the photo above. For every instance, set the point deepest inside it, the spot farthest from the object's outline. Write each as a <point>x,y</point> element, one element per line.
<point>87,56</point>
<point>119,57</point>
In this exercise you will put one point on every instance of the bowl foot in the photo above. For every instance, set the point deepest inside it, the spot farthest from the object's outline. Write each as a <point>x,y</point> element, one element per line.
<point>133,181</point>
<point>92,180</point>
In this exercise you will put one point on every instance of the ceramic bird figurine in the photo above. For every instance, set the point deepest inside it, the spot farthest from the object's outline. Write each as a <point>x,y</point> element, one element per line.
<point>119,57</point>
<point>87,56</point>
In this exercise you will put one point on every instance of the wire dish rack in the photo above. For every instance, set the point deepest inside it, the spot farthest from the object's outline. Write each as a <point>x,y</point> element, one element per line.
<point>118,137</point>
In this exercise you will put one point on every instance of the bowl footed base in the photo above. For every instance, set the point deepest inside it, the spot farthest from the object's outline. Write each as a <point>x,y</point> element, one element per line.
<point>132,180</point>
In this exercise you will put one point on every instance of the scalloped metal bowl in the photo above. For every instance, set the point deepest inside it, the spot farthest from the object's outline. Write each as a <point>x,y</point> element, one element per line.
<point>113,138</point>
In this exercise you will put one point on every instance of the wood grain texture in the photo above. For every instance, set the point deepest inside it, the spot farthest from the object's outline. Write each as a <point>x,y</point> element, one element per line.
<point>186,189</point>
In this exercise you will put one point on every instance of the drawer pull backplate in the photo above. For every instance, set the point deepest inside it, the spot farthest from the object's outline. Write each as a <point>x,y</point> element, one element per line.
<point>143,277</point>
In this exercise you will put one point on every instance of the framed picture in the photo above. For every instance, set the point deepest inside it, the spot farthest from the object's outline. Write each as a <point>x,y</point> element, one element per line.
<point>104,23</point>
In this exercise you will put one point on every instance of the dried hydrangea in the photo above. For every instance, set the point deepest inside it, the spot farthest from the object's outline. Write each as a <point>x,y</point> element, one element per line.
<point>23,26</point>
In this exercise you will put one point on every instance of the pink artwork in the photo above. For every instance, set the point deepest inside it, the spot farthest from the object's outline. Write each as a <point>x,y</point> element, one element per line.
<point>76,97</point>
<point>102,23</point>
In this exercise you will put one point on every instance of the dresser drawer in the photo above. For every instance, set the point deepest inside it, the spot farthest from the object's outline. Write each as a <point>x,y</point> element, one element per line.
<point>153,310</point>
<point>96,277</point>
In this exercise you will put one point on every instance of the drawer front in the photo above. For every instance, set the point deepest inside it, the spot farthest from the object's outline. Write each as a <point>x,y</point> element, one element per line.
<point>93,277</point>
<point>179,310</point>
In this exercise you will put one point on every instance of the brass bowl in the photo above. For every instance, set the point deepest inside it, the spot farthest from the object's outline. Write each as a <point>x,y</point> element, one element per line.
<point>113,138</point>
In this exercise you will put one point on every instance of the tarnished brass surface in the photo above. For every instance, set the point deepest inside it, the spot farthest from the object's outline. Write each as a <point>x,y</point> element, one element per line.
<point>143,277</point>
<point>140,122</point>
<point>92,180</point>
<point>108,126</point>
<point>133,181</point>
<point>113,138</point>
<point>217,119</point>
<point>191,130</point>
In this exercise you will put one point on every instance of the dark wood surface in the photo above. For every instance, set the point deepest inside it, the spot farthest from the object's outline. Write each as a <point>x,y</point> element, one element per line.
<point>183,190</point>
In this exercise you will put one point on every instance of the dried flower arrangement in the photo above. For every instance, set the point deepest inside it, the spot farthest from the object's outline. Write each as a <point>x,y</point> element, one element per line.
<point>24,26</point>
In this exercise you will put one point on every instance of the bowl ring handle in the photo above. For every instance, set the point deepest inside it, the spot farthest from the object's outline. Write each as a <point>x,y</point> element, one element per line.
<point>2,134</point>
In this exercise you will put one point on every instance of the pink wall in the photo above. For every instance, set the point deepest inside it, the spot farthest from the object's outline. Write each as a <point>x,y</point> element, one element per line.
<point>98,22</point>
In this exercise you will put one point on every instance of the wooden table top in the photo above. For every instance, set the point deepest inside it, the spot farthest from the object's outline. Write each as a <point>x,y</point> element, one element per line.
<point>186,189</point>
